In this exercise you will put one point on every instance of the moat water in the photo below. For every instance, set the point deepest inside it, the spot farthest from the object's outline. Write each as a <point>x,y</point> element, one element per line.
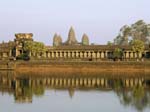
<point>74,93</point>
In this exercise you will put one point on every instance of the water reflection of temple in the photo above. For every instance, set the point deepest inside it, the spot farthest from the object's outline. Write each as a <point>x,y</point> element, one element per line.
<point>24,87</point>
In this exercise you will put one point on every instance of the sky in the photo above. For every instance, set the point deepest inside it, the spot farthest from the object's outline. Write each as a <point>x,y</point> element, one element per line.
<point>101,20</point>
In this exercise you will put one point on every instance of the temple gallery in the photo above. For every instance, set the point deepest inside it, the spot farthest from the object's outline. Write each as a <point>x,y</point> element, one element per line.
<point>69,50</point>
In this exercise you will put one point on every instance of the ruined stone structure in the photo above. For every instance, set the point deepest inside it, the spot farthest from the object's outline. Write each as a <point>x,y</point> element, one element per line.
<point>71,50</point>
<point>14,48</point>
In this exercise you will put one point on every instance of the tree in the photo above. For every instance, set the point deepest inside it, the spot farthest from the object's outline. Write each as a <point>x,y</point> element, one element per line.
<point>137,47</point>
<point>34,47</point>
<point>117,54</point>
<point>109,43</point>
<point>139,30</point>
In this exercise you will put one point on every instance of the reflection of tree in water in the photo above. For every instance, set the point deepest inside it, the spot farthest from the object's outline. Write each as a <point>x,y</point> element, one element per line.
<point>24,92</point>
<point>71,92</point>
<point>38,91</point>
<point>137,97</point>
<point>116,84</point>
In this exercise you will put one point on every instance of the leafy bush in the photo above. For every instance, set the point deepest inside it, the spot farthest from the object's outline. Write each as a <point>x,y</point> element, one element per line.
<point>23,57</point>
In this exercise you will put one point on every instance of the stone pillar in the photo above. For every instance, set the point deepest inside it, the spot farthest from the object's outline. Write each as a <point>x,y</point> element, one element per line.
<point>102,82</point>
<point>89,54</point>
<point>140,82</point>
<point>106,55</point>
<point>140,55</point>
<point>69,54</point>
<point>85,82</point>
<point>89,82</point>
<point>131,83</point>
<point>81,54</point>
<point>56,82</point>
<point>131,54</point>
<point>77,54</point>
<point>98,55</point>
<point>81,81</point>
<point>56,54</point>
<point>136,82</point>
<point>127,54</point>
<point>72,82</point>
<point>52,81</point>
<point>77,82</point>
<point>17,52</point>
<point>53,54</point>
<point>124,55</point>
<point>127,82</point>
<point>93,55</point>
<point>30,54</point>
<point>60,82</point>
<point>106,83</point>
<point>65,54</point>
<point>61,54</point>
<point>98,81</point>
<point>65,82</point>
<point>102,55</point>
<point>69,82</point>
<point>73,54</point>
<point>10,53</point>
<point>9,83</point>
<point>48,81</point>
<point>48,55</point>
<point>44,81</point>
<point>85,54</point>
<point>93,82</point>
<point>17,84</point>
<point>135,55</point>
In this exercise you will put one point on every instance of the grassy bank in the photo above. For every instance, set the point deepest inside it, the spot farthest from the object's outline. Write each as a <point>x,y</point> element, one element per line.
<point>53,66</point>
<point>83,66</point>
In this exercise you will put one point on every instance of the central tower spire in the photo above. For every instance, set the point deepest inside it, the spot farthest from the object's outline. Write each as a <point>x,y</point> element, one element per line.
<point>71,37</point>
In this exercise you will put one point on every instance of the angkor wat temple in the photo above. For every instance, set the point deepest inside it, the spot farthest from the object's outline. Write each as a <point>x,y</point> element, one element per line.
<point>57,41</point>
<point>70,50</point>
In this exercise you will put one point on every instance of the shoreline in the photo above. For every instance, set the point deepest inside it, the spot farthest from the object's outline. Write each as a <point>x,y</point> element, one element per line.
<point>71,67</point>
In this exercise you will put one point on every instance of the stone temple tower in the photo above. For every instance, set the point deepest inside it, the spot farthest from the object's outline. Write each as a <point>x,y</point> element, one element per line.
<point>57,40</point>
<point>85,40</point>
<point>71,38</point>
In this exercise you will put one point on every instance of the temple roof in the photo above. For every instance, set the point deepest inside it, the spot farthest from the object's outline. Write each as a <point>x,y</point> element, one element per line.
<point>92,47</point>
<point>24,35</point>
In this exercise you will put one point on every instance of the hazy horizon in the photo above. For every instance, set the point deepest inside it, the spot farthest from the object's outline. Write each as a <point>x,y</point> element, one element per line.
<point>100,20</point>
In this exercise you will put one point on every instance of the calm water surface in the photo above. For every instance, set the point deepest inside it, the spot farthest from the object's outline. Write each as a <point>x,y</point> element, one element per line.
<point>74,93</point>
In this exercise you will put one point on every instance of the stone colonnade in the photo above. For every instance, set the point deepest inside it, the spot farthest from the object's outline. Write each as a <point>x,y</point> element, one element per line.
<point>86,54</point>
<point>75,54</point>
<point>5,54</point>
<point>131,55</point>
